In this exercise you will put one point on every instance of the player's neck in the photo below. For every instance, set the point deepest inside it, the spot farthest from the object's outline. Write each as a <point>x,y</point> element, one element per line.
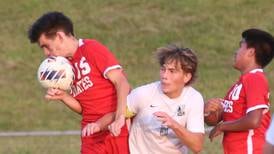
<point>250,68</point>
<point>73,46</point>
<point>174,94</point>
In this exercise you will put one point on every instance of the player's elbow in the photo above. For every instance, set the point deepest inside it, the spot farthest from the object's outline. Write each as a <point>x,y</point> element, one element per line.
<point>80,112</point>
<point>255,124</point>
<point>78,109</point>
<point>197,148</point>
<point>254,118</point>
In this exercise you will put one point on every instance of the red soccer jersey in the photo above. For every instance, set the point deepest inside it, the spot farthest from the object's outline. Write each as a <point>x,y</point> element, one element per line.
<point>96,94</point>
<point>251,92</point>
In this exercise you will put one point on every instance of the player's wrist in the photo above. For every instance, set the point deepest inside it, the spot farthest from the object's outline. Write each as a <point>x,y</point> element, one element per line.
<point>99,126</point>
<point>65,96</point>
<point>175,125</point>
<point>221,126</point>
<point>120,116</point>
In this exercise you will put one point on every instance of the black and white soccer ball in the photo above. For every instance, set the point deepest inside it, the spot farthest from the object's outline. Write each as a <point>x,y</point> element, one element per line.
<point>55,72</point>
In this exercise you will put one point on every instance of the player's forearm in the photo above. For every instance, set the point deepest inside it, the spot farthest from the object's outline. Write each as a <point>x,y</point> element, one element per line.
<point>104,121</point>
<point>194,141</point>
<point>238,125</point>
<point>251,121</point>
<point>122,88</point>
<point>72,103</point>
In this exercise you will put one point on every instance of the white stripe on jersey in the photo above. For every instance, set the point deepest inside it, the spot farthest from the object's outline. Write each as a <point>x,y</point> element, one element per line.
<point>249,141</point>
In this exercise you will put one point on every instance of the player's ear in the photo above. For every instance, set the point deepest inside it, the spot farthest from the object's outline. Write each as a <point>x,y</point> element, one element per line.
<point>187,77</point>
<point>251,51</point>
<point>60,35</point>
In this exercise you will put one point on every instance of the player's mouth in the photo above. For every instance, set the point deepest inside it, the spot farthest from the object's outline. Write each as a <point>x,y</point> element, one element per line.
<point>164,85</point>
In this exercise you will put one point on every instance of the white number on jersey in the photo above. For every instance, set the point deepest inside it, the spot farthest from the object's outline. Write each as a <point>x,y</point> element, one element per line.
<point>228,106</point>
<point>235,93</point>
<point>83,68</point>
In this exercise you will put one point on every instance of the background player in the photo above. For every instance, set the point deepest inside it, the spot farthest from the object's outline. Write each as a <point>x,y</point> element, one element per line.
<point>246,106</point>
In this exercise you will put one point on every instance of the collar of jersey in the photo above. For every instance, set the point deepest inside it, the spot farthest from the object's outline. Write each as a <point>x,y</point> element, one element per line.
<point>256,70</point>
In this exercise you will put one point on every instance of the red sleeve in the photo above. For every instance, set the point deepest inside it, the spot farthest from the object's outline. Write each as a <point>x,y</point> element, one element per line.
<point>257,94</point>
<point>103,57</point>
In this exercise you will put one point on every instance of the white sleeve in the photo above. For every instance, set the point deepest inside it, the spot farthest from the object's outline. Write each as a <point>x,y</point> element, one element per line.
<point>134,100</point>
<point>270,132</point>
<point>195,119</point>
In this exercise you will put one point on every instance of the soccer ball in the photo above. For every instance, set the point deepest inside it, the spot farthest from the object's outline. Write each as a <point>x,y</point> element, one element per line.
<point>55,72</point>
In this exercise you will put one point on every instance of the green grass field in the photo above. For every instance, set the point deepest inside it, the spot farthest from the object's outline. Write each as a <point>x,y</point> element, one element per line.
<point>133,30</point>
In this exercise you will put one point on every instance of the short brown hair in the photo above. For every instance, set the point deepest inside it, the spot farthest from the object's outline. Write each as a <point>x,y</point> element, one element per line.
<point>185,57</point>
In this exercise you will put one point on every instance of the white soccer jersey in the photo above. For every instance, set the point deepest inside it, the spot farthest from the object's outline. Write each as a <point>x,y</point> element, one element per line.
<point>146,133</point>
<point>270,132</point>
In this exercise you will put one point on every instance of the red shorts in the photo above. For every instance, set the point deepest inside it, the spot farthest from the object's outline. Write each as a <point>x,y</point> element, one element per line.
<point>106,144</point>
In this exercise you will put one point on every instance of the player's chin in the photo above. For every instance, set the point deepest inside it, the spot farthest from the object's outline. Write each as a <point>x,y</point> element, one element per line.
<point>165,90</point>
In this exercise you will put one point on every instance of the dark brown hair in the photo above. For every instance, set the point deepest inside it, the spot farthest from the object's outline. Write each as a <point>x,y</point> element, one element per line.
<point>49,24</point>
<point>262,42</point>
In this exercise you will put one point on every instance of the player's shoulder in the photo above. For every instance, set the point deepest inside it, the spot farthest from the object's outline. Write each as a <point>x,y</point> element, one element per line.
<point>89,42</point>
<point>144,93</point>
<point>147,87</point>
<point>192,92</point>
<point>146,90</point>
<point>94,47</point>
<point>256,75</point>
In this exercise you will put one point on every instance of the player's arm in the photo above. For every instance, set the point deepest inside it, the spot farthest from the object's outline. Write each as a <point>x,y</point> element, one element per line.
<point>68,100</point>
<point>104,121</point>
<point>99,125</point>
<point>192,140</point>
<point>252,120</point>
<point>117,77</point>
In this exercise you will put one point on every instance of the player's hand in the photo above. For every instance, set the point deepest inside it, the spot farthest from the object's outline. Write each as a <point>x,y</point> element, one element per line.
<point>90,129</point>
<point>213,105</point>
<point>116,126</point>
<point>216,131</point>
<point>165,119</point>
<point>55,94</point>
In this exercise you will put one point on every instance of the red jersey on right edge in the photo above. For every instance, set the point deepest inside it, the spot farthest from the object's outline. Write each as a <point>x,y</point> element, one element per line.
<point>251,92</point>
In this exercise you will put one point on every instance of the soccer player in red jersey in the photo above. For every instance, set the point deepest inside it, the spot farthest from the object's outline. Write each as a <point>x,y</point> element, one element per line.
<point>246,117</point>
<point>99,88</point>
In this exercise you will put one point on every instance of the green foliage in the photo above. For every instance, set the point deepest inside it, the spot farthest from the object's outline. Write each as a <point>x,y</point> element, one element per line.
<point>133,30</point>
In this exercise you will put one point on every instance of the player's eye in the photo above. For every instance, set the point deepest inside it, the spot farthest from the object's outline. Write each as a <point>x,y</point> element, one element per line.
<point>172,71</point>
<point>162,69</point>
